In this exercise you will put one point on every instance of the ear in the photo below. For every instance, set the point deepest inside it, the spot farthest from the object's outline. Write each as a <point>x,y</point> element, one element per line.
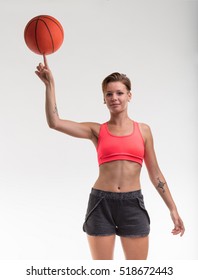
<point>129,96</point>
<point>104,101</point>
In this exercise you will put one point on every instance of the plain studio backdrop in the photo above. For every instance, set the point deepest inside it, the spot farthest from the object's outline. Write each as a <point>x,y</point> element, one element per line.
<point>46,176</point>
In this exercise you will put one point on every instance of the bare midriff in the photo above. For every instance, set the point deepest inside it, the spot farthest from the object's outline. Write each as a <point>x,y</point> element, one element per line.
<point>119,176</point>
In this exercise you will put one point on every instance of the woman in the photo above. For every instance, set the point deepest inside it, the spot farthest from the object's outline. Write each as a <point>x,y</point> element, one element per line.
<point>116,205</point>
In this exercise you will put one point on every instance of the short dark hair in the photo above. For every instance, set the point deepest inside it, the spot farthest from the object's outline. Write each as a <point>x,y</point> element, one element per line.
<point>116,77</point>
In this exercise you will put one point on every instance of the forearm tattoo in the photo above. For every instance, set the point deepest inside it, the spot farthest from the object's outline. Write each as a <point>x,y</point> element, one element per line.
<point>55,111</point>
<point>161,184</point>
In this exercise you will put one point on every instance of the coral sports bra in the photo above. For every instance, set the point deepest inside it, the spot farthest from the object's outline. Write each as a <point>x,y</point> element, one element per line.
<point>112,147</point>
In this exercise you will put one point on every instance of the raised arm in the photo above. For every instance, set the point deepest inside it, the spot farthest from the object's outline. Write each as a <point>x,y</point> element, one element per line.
<point>159,181</point>
<point>86,130</point>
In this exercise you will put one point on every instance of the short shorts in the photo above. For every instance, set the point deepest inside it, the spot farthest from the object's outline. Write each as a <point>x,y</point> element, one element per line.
<point>123,214</point>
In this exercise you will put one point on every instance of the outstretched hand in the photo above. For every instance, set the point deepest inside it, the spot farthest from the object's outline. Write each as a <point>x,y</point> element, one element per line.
<point>44,73</point>
<point>179,226</point>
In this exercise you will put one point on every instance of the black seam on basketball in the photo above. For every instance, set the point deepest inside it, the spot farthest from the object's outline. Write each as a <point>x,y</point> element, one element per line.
<point>25,31</point>
<point>58,24</point>
<point>36,35</point>
<point>27,26</point>
<point>49,33</point>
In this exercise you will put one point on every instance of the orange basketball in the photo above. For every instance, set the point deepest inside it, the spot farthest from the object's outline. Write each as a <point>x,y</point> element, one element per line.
<point>43,34</point>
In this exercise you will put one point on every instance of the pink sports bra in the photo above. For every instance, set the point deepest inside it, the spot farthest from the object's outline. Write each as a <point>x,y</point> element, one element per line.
<point>112,147</point>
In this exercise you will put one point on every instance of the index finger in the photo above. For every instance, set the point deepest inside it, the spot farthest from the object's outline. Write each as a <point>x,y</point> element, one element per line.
<point>45,61</point>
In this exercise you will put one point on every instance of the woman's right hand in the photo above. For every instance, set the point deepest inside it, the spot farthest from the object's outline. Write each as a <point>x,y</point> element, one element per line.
<point>44,73</point>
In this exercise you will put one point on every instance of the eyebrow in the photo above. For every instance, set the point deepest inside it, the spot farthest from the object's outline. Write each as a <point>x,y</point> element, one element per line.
<point>119,90</point>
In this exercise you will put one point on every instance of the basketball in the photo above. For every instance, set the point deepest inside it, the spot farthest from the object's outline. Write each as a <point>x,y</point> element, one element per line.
<point>43,34</point>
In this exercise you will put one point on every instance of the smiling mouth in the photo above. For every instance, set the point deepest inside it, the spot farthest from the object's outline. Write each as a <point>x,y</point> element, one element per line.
<point>114,105</point>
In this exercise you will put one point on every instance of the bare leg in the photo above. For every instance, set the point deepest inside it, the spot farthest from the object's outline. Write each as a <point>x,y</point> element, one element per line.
<point>101,247</point>
<point>135,248</point>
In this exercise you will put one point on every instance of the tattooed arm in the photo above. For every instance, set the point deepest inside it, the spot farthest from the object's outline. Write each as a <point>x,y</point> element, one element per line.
<point>158,179</point>
<point>86,130</point>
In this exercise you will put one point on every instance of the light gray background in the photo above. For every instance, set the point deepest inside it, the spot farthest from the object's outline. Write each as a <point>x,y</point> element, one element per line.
<point>46,176</point>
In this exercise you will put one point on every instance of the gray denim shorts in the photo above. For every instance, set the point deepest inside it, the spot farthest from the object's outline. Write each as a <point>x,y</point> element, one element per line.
<point>122,213</point>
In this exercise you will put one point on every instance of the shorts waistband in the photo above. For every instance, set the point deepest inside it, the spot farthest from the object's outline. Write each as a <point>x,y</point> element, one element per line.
<point>116,195</point>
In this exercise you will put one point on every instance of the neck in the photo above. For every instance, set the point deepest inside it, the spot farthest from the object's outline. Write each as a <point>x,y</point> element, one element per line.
<point>119,119</point>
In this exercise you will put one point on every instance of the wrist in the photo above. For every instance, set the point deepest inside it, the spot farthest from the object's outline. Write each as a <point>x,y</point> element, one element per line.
<point>50,85</point>
<point>173,210</point>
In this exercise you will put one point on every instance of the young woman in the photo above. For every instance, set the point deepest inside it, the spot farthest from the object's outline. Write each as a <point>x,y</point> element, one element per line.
<point>116,205</point>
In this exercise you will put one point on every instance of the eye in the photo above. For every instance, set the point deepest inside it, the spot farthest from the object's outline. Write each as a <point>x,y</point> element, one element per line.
<point>108,94</point>
<point>120,93</point>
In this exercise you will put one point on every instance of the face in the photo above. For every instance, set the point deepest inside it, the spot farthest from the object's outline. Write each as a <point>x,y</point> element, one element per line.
<point>117,97</point>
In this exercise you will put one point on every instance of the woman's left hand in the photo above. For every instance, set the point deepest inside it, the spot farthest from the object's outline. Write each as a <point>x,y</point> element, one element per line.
<point>179,226</point>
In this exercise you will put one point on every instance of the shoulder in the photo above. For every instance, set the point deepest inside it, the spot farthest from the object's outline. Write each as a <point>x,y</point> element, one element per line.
<point>94,127</point>
<point>145,129</point>
<point>95,131</point>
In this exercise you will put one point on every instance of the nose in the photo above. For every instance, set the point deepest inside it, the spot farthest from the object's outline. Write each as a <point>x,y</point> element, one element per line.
<point>114,97</point>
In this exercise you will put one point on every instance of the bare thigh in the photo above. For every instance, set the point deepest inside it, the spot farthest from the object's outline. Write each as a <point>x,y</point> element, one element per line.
<point>135,248</point>
<point>101,247</point>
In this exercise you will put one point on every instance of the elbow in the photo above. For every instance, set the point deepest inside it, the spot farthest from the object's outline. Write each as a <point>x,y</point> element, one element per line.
<point>52,121</point>
<point>52,125</point>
